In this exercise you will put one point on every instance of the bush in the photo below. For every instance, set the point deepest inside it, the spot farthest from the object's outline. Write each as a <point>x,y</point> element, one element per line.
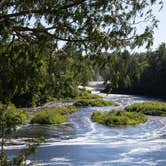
<point>93,102</point>
<point>118,118</point>
<point>148,108</point>
<point>48,117</point>
<point>85,94</point>
<point>10,118</point>
<point>14,115</point>
<point>53,116</point>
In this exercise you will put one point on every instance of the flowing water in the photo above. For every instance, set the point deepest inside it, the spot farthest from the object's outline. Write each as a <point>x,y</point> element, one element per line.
<point>84,143</point>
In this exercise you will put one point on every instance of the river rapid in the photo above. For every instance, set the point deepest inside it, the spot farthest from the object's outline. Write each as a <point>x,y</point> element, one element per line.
<point>82,142</point>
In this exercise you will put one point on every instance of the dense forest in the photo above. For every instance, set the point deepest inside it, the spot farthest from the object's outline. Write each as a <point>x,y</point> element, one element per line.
<point>40,75</point>
<point>138,73</point>
<point>31,76</point>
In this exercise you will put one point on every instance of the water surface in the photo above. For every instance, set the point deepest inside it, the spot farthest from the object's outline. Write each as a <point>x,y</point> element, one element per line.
<point>84,143</point>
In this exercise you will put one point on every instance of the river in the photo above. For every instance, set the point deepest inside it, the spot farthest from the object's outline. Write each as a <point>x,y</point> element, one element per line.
<point>84,143</point>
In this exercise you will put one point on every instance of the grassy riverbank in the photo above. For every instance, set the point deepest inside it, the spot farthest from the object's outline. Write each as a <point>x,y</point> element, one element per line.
<point>93,103</point>
<point>148,108</point>
<point>118,118</point>
<point>86,94</point>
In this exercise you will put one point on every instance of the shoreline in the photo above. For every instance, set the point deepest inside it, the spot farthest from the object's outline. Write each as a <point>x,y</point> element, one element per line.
<point>48,105</point>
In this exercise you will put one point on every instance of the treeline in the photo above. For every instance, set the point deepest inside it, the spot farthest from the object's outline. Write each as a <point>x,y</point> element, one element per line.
<point>143,73</point>
<point>32,75</point>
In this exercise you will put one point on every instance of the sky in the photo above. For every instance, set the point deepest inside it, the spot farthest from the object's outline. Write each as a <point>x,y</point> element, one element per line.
<point>160,33</point>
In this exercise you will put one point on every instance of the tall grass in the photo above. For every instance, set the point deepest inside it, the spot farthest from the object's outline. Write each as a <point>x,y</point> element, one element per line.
<point>85,94</point>
<point>93,103</point>
<point>118,118</point>
<point>148,108</point>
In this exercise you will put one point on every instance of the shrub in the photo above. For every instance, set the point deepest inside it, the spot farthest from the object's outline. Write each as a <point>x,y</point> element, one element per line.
<point>13,115</point>
<point>48,117</point>
<point>148,108</point>
<point>53,116</point>
<point>93,102</point>
<point>117,118</point>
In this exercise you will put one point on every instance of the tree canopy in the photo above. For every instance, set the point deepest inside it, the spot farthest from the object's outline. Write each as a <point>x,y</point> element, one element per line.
<point>31,75</point>
<point>143,73</point>
<point>90,24</point>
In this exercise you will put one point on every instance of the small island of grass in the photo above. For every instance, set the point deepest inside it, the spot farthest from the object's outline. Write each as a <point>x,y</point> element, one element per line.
<point>82,94</point>
<point>148,108</point>
<point>53,116</point>
<point>93,103</point>
<point>118,118</point>
<point>85,94</point>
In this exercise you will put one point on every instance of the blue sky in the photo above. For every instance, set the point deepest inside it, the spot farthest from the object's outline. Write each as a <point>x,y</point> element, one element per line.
<point>160,33</point>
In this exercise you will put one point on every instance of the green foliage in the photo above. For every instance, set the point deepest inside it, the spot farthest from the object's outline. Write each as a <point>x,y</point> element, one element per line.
<point>148,108</point>
<point>153,78</point>
<point>86,98</point>
<point>10,117</point>
<point>31,76</point>
<point>122,71</point>
<point>105,24</point>
<point>53,116</point>
<point>48,118</point>
<point>143,73</point>
<point>33,70</point>
<point>117,118</point>
<point>93,102</point>
<point>85,94</point>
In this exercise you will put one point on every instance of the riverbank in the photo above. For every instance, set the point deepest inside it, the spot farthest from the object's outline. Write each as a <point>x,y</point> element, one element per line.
<point>49,105</point>
<point>85,94</point>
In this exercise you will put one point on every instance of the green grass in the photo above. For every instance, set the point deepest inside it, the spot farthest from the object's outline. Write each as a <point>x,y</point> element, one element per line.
<point>148,108</point>
<point>85,94</point>
<point>53,116</point>
<point>93,103</point>
<point>118,118</point>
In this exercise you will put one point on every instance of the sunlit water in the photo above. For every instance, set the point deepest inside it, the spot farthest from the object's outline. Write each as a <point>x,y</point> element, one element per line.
<point>82,142</point>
